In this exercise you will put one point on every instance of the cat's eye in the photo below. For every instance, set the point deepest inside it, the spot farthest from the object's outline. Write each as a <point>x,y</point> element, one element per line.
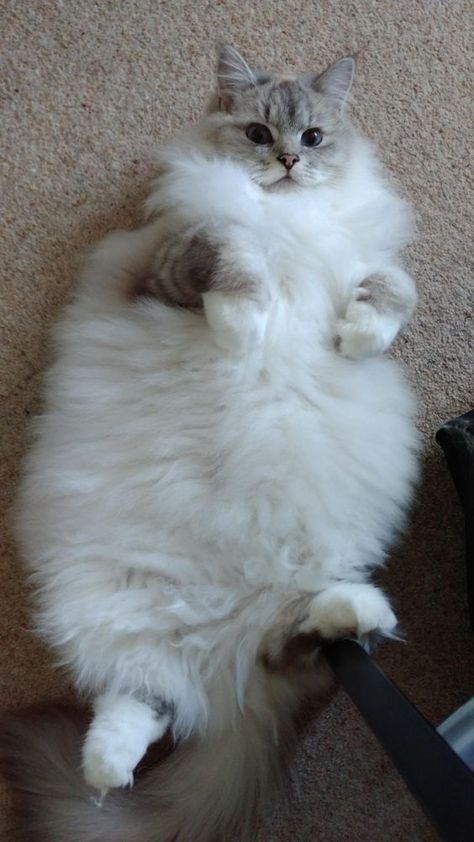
<point>259,134</point>
<point>311,137</point>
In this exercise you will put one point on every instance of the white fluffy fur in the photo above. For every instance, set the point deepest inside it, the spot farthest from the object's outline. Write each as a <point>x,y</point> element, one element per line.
<point>197,475</point>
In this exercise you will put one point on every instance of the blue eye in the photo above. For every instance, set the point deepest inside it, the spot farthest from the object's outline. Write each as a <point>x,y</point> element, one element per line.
<point>311,137</point>
<point>259,134</point>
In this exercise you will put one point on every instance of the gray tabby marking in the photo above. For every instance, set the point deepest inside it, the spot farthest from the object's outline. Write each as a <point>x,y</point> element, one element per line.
<point>182,270</point>
<point>382,294</point>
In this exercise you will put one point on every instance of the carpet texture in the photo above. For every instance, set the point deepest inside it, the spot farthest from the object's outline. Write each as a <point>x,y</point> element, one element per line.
<point>88,88</point>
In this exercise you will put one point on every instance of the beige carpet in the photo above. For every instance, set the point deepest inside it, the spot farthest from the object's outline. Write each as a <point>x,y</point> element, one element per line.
<point>88,88</point>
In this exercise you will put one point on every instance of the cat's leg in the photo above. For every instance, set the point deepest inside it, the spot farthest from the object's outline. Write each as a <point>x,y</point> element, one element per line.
<point>237,301</point>
<point>378,308</point>
<point>220,268</point>
<point>121,731</point>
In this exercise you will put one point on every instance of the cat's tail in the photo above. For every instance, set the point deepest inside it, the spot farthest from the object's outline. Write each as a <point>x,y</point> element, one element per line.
<point>204,790</point>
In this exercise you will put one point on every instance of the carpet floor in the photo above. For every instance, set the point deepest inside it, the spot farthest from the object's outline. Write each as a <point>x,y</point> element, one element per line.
<point>88,88</point>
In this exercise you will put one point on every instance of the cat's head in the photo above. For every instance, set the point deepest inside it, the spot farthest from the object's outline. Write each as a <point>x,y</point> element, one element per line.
<point>287,130</point>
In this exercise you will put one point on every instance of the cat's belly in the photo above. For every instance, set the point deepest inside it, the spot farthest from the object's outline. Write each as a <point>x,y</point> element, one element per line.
<point>179,462</point>
<point>318,470</point>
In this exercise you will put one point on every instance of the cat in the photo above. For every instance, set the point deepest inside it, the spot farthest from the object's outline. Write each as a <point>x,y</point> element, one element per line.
<point>224,457</point>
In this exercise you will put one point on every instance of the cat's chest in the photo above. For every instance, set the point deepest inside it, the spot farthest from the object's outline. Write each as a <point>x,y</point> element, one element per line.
<point>311,239</point>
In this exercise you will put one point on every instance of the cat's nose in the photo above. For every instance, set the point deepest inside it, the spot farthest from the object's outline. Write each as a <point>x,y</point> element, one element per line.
<point>288,161</point>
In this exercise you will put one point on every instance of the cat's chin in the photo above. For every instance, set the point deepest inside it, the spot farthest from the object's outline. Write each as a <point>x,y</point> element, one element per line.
<point>283,185</point>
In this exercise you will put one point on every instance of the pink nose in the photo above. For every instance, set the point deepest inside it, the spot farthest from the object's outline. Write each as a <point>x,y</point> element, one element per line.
<point>288,160</point>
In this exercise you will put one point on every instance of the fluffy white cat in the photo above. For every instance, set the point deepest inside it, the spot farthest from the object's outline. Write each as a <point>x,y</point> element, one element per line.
<point>224,456</point>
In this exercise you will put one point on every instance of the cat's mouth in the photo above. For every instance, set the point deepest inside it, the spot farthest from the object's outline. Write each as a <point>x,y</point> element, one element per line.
<point>286,182</point>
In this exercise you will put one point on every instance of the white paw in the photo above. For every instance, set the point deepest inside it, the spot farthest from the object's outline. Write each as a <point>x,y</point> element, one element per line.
<point>349,608</point>
<point>108,760</point>
<point>364,332</point>
<point>238,324</point>
<point>108,767</point>
<point>118,737</point>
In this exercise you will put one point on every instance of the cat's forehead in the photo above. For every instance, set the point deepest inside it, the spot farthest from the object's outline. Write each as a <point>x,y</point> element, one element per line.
<point>287,103</point>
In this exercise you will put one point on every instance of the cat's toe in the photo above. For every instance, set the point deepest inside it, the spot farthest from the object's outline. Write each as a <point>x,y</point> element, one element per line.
<point>350,609</point>
<point>104,772</point>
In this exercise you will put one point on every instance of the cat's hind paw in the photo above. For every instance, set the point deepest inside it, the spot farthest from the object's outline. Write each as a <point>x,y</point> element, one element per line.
<point>349,609</point>
<point>104,770</point>
<point>118,737</point>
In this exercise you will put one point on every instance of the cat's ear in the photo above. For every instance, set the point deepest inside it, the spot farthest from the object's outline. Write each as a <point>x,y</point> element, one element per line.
<point>336,81</point>
<point>233,75</point>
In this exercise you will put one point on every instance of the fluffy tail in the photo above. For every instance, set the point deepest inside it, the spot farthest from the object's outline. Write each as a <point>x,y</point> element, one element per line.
<point>203,791</point>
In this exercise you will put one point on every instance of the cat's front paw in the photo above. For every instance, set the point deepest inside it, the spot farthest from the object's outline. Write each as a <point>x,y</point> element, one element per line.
<point>238,324</point>
<point>349,608</point>
<point>365,331</point>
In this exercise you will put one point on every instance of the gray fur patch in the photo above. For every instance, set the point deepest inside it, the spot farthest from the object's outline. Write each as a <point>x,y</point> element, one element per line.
<point>161,707</point>
<point>378,291</point>
<point>181,272</point>
<point>188,264</point>
<point>289,105</point>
